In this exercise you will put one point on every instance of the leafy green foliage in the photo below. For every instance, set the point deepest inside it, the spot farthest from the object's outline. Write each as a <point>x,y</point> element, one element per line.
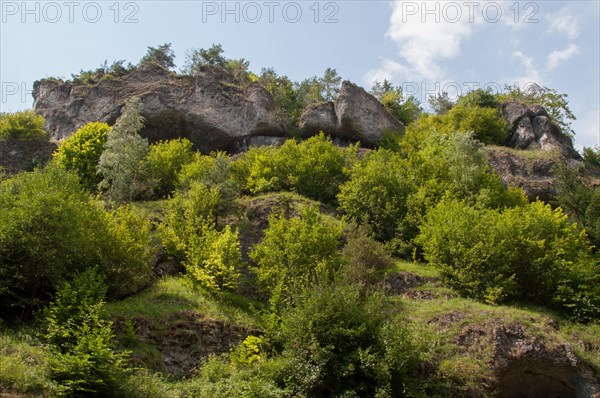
<point>591,156</point>
<point>479,98</point>
<point>124,173</point>
<point>165,160</point>
<point>406,110</point>
<point>441,103</point>
<point>197,58</point>
<point>212,171</point>
<point>287,99</point>
<point>314,168</point>
<point>527,253</point>
<point>580,201</point>
<point>214,259</point>
<point>484,124</point>
<point>364,258</point>
<point>392,192</point>
<point>84,358</point>
<point>294,253</point>
<point>187,215</point>
<point>162,55</point>
<point>338,344</point>
<point>52,229</point>
<point>376,193</point>
<point>23,125</point>
<point>81,152</point>
<point>555,103</point>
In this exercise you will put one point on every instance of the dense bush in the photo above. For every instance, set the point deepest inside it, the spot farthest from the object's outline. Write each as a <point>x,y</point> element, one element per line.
<point>50,228</point>
<point>484,124</point>
<point>591,156</point>
<point>214,258</point>
<point>81,152</point>
<point>392,192</point>
<point>338,343</point>
<point>187,215</point>
<point>528,253</point>
<point>479,98</point>
<point>23,125</point>
<point>364,258</point>
<point>84,360</point>
<point>314,168</point>
<point>213,171</point>
<point>294,253</point>
<point>579,200</point>
<point>377,193</point>
<point>165,160</point>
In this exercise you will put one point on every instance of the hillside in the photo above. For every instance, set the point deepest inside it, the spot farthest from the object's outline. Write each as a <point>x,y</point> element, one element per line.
<point>203,235</point>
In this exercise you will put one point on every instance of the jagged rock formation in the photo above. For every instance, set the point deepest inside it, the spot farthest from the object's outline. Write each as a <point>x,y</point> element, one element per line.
<point>207,109</point>
<point>355,115</point>
<point>532,128</point>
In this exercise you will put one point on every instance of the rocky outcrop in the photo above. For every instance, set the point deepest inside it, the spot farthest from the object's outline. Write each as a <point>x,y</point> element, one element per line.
<point>17,155</point>
<point>532,128</point>
<point>207,109</point>
<point>356,115</point>
<point>525,365</point>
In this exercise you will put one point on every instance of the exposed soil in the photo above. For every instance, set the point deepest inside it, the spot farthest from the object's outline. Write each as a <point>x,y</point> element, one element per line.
<point>187,338</point>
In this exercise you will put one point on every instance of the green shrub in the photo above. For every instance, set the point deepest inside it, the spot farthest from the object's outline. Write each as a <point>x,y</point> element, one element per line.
<point>392,192</point>
<point>591,156</point>
<point>480,98</point>
<point>165,160</point>
<point>187,215</point>
<point>376,193</point>
<point>313,168</point>
<point>527,253</point>
<point>338,343</point>
<point>212,171</point>
<point>485,124</point>
<point>84,359</point>
<point>294,253</point>
<point>23,125</point>
<point>52,229</point>
<point>365,258</point>
<point>214,258</point>
<point>81,152</point>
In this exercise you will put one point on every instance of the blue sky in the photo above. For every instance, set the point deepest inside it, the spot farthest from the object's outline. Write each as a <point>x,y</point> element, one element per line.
<point>423,46</point>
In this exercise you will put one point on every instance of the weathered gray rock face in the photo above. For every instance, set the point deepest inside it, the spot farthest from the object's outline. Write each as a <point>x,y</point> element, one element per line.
<point>205,109</point>
<point>532,128</point>
<point>355,115</point>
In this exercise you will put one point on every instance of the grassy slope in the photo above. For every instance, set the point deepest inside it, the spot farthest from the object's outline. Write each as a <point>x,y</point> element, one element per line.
<point>437,314</point>
<point>441,319</point>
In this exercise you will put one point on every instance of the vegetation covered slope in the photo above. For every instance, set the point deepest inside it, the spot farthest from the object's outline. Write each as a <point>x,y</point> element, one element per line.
<point>305,270</point>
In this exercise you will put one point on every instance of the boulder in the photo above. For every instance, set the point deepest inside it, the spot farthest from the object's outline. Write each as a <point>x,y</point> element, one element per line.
<point>356,116</point>
<point>523,137</point>
<point>319,117</point>
<point>551,137</point>
<point>513,112</point>
<point>532,128</point>
<point>209,110</point>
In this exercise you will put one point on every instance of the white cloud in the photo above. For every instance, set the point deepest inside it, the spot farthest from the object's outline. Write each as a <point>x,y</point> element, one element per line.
<point>558,56</point>
<point>563,22</point>
<point>530,73</point>
<point>424,39</point>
